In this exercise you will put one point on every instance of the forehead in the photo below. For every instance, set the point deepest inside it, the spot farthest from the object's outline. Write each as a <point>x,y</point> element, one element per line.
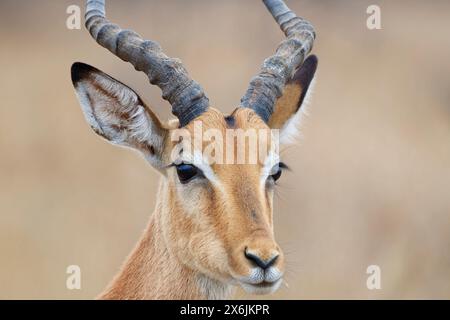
<point>241,118</point>
<point>241,138</point>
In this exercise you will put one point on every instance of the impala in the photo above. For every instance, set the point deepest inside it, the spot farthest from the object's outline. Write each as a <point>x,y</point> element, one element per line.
<point>212,228</point>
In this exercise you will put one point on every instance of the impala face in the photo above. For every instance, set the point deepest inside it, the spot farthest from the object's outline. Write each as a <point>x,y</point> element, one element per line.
<point>223,221</point>
<point>216,205</point>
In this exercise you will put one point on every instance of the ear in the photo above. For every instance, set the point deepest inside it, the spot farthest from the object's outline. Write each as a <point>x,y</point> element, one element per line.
<point>290,106</point>
<point>115,112</point>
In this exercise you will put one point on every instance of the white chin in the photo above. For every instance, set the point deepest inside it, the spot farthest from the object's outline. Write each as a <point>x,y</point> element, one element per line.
<point>263,288</point>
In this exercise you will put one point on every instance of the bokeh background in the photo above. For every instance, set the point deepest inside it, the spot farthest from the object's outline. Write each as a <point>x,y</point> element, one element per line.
<point>370,180</point>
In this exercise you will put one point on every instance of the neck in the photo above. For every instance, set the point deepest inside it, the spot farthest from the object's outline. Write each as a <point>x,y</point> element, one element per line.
<point>152,272</point>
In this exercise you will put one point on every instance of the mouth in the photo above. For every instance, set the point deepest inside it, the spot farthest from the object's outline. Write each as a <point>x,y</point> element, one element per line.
<point>263,287</point>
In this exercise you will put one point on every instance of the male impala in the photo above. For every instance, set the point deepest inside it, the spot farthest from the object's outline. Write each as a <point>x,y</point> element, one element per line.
<point>212,227</point>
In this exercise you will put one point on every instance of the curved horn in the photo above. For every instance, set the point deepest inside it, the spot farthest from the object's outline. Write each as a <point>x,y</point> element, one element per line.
<point>184,94</point>
<point>277,70</point>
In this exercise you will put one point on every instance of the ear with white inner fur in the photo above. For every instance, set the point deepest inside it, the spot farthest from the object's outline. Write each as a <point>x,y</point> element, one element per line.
<point>115,112</point>
<point>291,105</point>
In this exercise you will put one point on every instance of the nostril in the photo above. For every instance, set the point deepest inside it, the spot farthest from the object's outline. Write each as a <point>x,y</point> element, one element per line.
<point>264,264</point>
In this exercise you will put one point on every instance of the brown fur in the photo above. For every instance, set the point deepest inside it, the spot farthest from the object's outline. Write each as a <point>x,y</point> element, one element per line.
<point>285,108</point>
<point>201,232</point>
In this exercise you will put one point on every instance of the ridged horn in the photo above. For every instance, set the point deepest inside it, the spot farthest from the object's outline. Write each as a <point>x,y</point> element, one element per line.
<point>186,96</point>
<point>268,85</point>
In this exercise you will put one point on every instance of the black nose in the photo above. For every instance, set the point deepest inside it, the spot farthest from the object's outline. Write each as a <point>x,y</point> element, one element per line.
<point>264,264</point>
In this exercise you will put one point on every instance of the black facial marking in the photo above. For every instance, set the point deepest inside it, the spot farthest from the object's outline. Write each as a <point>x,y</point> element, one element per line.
<point>254,215</point>
<point>231,121</point>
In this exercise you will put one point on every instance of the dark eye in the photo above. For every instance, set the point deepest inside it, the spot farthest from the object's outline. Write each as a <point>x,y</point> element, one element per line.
<point>277,175</point>
<point>277,170</point>
<point>186,172</point>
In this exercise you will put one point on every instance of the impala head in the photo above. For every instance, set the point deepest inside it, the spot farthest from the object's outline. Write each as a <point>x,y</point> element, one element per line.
<point>218,217</point>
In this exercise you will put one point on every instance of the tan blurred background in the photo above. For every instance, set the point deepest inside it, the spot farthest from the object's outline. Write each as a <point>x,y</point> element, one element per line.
<point>371,177</point>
